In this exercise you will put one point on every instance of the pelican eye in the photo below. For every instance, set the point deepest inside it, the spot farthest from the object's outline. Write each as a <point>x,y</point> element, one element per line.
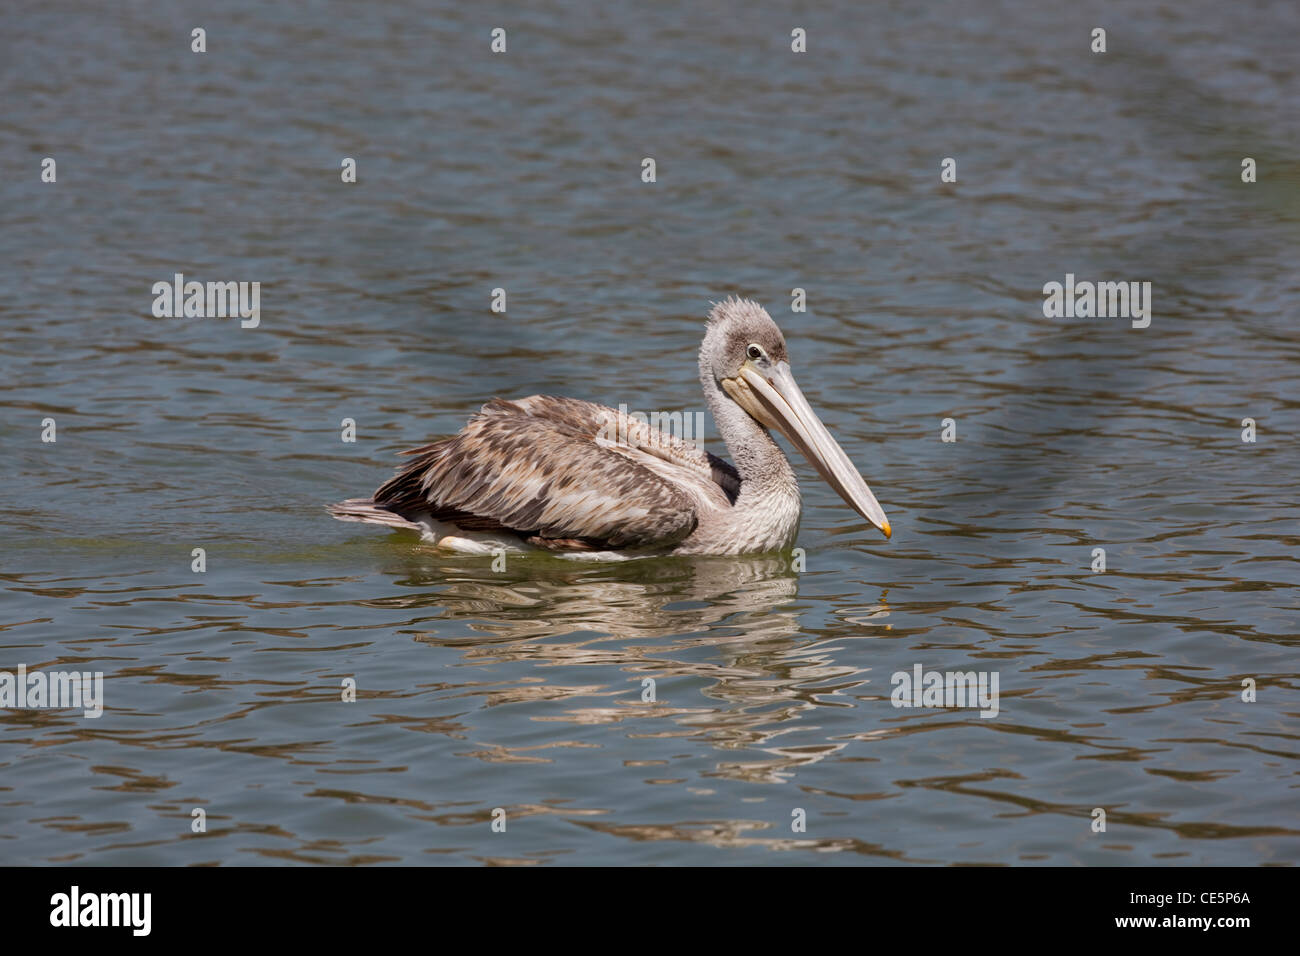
<point>755,352</point>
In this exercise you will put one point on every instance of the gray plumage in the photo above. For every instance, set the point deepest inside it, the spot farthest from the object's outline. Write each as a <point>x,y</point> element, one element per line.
<point>572,476</point>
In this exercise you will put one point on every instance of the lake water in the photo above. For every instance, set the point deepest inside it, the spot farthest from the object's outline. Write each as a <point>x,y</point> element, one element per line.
<point>772,738</point>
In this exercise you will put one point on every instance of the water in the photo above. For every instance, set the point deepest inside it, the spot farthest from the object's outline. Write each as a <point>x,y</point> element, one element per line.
<point>522,690</point>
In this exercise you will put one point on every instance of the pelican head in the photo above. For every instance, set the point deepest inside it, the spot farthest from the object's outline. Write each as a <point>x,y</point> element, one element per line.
<point>744,354</point>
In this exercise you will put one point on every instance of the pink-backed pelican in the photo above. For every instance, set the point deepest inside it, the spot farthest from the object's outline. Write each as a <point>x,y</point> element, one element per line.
<point>589,481</point>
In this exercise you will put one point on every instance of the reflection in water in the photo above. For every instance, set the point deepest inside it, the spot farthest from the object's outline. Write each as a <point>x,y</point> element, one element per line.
<point>726,621</point>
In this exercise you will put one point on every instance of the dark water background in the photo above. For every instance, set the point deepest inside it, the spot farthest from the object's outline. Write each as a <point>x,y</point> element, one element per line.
<point>522,690</point>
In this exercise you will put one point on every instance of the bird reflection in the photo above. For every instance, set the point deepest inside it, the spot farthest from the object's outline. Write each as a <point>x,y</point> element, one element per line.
<point>730,627</point>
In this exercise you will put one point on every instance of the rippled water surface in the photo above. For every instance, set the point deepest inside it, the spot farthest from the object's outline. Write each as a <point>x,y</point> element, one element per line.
<point>523,689</point>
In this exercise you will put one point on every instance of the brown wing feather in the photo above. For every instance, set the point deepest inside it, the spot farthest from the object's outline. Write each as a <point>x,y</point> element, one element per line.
<point>632,436</point>
<point>536,467</point>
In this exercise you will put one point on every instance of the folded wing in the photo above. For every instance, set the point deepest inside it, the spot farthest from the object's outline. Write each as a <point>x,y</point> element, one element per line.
<point>562,471</point>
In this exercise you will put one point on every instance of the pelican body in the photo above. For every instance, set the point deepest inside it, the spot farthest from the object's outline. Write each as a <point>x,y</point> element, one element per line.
<point>584,480</point>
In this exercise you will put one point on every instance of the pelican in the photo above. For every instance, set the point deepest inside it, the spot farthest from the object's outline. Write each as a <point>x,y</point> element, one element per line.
<point>584,480</point>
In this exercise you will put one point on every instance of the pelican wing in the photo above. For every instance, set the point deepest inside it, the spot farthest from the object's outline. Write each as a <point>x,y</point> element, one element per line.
<point>560,470</point>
